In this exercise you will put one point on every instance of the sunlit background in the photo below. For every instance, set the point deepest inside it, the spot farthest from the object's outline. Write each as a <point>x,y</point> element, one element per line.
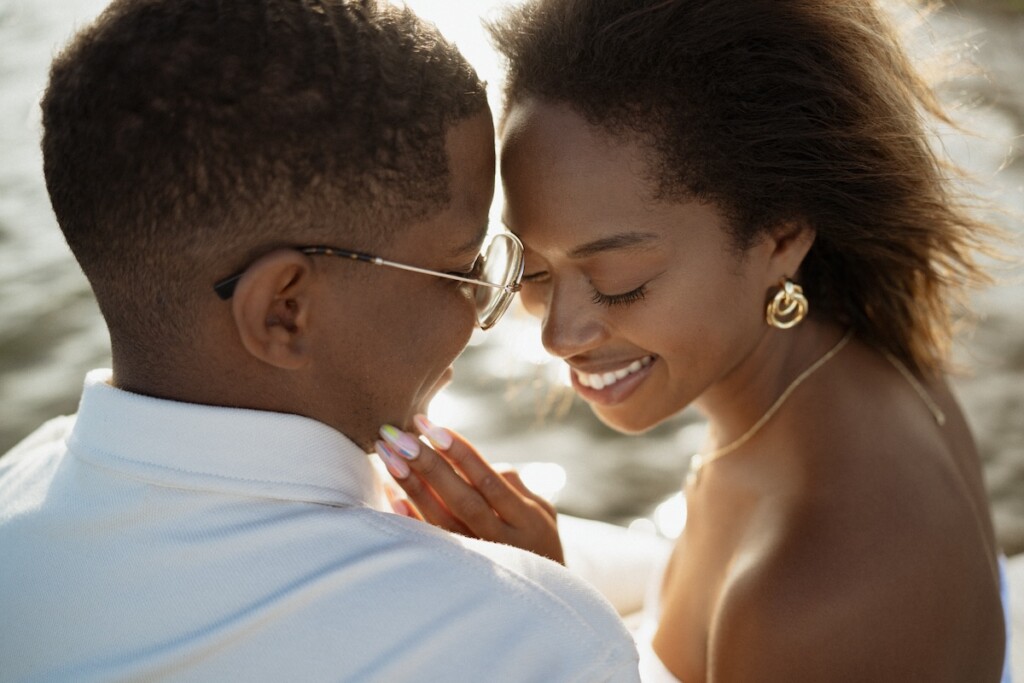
<point>508,396</point>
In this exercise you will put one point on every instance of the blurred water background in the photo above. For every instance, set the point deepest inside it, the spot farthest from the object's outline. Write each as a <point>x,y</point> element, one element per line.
<point>508,396</point>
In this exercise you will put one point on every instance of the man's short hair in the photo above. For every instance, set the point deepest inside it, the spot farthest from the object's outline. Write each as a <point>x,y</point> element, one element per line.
<point>182,139</point>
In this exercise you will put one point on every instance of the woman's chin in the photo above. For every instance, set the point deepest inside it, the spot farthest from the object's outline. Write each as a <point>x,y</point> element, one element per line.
<point>627,422</point>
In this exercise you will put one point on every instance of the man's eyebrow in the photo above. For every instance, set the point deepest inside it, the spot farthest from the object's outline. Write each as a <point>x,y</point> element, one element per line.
<point>473,245</point>
<point>622,240</point>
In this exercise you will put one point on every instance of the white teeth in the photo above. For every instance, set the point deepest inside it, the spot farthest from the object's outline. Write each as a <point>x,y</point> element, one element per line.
<point>602,380</point>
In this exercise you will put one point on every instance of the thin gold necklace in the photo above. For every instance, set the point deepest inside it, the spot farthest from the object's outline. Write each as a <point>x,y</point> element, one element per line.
<point>933,407</point>
<point>701,460</point>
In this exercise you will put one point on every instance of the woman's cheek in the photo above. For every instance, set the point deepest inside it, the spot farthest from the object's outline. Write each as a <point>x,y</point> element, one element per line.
<point>532,299</point>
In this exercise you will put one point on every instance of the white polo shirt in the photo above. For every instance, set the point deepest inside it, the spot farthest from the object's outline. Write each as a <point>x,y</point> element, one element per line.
<point>148,539</point>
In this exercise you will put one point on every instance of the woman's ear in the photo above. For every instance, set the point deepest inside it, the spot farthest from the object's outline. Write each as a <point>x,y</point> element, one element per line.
<point>789,243</point>
<point>271,308</point>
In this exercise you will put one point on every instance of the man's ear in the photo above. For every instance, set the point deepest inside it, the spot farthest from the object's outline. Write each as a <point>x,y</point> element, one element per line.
<point>789,243</point>
<point>271,308</point>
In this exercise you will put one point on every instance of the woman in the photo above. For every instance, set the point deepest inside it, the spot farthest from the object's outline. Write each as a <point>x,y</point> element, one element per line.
<point>733,203</point>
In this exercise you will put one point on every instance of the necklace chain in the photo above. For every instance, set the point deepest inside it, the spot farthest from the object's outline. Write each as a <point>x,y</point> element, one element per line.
<point>933,407</point>
<point>700,460</point>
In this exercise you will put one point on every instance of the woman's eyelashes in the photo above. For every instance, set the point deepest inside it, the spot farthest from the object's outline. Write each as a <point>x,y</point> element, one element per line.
<point>539,276</point>
<point>623,299</point>
<point>598,297</point>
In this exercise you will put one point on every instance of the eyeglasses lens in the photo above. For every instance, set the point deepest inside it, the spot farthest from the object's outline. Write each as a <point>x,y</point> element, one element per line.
<point>502,265</point>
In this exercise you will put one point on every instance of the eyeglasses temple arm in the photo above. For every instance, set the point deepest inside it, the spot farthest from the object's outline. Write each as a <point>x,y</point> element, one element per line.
<point>226,287</point>
<point>378,261</point>
<point>414,269</point>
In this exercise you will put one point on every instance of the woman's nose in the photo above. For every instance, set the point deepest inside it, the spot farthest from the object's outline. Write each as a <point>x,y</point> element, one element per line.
<point>570,327</point>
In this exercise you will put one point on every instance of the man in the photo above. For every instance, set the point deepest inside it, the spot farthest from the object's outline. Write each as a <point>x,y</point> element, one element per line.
<point>211,513</point>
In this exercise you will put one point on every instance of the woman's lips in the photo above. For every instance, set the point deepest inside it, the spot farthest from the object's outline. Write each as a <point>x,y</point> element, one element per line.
<point>600,380</point>
<point>613,386</point>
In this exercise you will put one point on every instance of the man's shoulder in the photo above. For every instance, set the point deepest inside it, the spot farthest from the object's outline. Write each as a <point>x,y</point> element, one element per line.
<point>47,439</point>
<point>504,568</point>
<point>509,593</point>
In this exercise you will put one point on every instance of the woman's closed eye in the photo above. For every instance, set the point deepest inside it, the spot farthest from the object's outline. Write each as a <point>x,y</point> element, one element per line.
<point>623,299</point>
<point>598,297</point>
<point>538,276</point>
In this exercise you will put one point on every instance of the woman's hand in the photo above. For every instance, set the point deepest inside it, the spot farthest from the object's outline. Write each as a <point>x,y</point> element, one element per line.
<point>454,488</point>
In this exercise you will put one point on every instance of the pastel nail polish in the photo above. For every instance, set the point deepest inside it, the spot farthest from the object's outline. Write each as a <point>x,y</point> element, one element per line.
<point>407,445</point>
<point>398,468</point>
<point>439,437</point>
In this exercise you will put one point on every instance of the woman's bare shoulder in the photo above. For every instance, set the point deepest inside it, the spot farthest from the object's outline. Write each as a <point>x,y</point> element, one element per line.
<point>839,594</point>
<point>872,557</point>
<point>864,429</point>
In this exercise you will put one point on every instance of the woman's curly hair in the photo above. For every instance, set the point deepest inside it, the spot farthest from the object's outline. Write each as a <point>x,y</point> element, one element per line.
<point>778,110</point>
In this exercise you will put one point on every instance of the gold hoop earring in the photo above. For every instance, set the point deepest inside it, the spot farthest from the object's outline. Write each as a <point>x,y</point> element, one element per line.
<point>788,307</point>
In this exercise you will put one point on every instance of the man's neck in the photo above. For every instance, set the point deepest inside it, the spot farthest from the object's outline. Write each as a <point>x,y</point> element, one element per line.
<point>221,383</point>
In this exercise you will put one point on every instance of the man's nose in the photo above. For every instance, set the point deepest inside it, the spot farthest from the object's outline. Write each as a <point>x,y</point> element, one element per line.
<point>571,324</point>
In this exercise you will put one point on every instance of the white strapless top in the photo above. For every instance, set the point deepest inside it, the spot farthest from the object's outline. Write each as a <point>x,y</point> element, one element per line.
<point>652,670</point>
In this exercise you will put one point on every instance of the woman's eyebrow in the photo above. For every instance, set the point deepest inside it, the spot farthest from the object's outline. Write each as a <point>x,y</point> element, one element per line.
<point>623,240</point>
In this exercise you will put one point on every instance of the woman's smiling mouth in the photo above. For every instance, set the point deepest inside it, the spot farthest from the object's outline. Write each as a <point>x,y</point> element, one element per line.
<point>611,386</point>
<point>606,379</point>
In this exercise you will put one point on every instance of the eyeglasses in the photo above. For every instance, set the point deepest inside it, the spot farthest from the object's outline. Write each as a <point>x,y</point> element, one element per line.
<point>497,271</point>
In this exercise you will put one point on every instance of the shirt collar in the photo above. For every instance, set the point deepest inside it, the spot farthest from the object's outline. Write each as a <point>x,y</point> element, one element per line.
<point>247,452</point>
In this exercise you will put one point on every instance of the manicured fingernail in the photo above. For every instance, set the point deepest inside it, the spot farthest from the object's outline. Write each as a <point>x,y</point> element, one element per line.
<point>398,468</point>
<point>406,444</point>
<point>439,437</point>
<point>401,507</point>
